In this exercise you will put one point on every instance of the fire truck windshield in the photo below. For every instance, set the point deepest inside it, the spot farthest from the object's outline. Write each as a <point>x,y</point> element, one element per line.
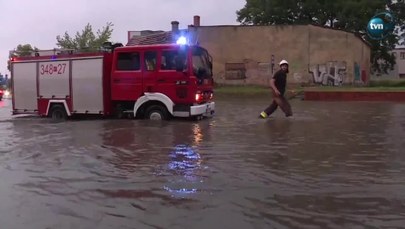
<point>202,64</point>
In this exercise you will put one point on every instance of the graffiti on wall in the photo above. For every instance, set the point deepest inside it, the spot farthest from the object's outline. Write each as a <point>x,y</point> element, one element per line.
<point>357,77</point>
<point>331,73</point>
<point>360,75</point>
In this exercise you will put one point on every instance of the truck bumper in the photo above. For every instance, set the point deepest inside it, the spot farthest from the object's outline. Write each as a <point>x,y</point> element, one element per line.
<point>206,109</point>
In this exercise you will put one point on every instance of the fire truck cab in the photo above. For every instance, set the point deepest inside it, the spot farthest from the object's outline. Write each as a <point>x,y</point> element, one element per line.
<point>150,81</point>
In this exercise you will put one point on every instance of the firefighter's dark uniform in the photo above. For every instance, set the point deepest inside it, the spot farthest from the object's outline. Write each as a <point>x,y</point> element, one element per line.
<point>280,78</point>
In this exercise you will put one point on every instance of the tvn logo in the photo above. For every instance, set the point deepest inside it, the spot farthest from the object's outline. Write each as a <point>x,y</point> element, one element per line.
<point>376,26</point>
<point>381,26</point>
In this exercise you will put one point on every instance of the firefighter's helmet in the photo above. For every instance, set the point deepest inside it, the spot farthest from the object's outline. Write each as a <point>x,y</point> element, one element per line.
<point>283,62</point>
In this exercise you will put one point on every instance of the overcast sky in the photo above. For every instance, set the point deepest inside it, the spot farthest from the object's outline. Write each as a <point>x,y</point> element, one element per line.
<point>38,22</point>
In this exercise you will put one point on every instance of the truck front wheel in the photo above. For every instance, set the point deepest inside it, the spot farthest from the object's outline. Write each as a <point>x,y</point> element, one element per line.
<point>58,113</point>
<point>156,112</point>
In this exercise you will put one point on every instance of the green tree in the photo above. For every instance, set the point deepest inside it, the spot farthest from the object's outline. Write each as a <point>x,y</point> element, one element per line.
<point>22,50</point>
<point>348,15</point>
<point>86,40</point>
<point>400,12</point>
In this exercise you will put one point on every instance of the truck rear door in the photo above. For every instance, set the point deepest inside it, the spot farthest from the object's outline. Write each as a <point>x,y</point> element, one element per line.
<point>24,83</point>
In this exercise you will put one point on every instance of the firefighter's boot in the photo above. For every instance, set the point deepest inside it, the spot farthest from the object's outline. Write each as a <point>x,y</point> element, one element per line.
<point>263,115</point>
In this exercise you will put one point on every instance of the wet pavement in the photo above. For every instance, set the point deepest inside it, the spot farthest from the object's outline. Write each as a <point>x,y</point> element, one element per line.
<point>331,165</point>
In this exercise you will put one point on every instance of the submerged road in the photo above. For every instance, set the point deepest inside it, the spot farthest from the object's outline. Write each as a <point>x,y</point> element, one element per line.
<point>331,165</point>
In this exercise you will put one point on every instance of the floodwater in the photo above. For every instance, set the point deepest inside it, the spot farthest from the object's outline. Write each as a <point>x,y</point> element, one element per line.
<point>331,165</point>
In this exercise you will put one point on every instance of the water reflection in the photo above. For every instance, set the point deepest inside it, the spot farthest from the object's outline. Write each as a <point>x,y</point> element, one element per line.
<point>197,133</point>
<point>138,143</point>
<point>168,150</point>
<point>183,166</point>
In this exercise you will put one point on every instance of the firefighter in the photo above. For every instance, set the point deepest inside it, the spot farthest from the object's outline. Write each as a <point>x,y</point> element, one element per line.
<point>278,85</point>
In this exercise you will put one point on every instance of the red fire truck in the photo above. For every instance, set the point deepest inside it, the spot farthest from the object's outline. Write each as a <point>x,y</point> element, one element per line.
<point>150,81</point>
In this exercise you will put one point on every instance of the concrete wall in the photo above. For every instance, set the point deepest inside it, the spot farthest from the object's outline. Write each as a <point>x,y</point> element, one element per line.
<point>341,57</point>
<point>243,54</point>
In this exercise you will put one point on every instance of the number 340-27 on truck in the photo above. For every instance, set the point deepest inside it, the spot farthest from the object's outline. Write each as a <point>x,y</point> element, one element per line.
<point>150,81</point>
